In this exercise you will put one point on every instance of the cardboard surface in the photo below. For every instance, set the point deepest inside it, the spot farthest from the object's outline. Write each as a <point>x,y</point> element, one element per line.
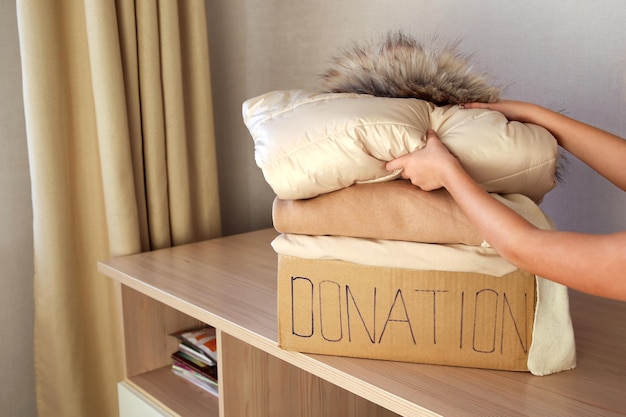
<point>448,318</point>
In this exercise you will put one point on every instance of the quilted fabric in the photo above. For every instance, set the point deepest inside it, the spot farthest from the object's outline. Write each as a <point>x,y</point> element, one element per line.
<point>309,143</point>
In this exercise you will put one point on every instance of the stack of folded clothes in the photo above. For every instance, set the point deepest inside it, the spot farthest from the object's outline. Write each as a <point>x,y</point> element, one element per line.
<point>369,265</point>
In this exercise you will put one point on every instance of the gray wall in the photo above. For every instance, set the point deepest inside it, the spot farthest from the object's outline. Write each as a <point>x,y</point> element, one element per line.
<point>567,55</point>
<point>17,385</point>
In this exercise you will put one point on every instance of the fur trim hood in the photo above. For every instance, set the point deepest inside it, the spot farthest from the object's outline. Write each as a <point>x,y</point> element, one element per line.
<point>402,67</point>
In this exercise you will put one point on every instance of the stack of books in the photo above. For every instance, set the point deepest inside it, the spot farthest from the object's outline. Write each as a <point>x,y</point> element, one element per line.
<point>196,358</point>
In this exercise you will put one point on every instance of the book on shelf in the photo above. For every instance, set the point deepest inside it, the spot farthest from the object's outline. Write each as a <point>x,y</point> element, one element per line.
<point>194,353</point>
<point>210,371</point>
<point>196,358</point>
<point>195,377</point>
<point>203,341</point>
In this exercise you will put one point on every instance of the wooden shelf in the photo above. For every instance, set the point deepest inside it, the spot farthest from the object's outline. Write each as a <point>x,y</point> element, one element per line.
<point>230,283</point>
<point>173,394</point>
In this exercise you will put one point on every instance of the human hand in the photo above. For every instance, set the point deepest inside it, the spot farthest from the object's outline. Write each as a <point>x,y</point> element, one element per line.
<point>512,110</point>
<point>428,167</point>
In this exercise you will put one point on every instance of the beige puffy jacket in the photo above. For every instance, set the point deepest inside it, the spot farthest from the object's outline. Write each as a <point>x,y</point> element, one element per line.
<point>309,143</point>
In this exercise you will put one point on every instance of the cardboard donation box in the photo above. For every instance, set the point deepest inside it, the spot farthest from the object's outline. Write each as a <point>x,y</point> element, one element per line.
<point>449,318</point>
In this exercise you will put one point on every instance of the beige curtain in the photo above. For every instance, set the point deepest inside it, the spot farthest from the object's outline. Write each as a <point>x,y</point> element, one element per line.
<point>121,147</point>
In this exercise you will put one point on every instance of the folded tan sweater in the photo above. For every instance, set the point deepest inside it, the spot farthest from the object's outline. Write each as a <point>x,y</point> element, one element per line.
<point>395,210</point>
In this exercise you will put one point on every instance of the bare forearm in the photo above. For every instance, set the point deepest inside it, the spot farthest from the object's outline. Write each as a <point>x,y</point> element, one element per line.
<point>500,226</point>
<point>591,263</point>
<point>601,150</point>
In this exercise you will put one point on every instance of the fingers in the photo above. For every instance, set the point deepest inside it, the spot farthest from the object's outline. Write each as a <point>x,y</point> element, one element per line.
<point>400,162</point>
<point>397,163</point>
<point>474,105</point>
<point>432,139</point>
<point>430,133</point>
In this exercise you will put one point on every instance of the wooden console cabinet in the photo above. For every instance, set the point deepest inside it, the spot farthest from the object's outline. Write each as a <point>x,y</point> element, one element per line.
<point>230,283</point>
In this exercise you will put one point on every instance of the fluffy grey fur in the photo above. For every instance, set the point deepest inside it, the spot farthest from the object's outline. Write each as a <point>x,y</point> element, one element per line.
<point>400,66</point>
